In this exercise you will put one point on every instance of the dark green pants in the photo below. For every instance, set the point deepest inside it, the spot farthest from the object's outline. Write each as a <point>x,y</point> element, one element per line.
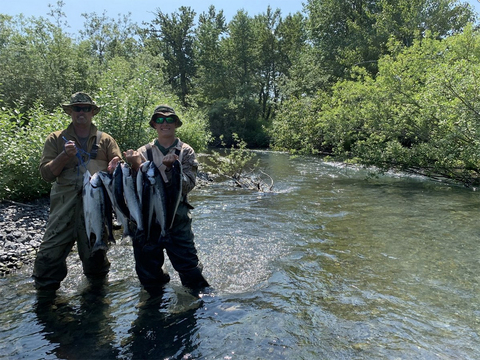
<point>180,248</point>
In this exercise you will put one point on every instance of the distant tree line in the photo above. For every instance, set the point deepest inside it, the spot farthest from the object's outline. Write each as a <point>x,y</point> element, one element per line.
<point>386,83</point>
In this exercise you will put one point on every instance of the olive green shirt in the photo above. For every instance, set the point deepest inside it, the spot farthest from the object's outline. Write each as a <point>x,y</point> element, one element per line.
<point>72,173</point>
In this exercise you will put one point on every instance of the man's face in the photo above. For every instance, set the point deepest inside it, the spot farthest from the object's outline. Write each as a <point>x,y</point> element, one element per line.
<point>165,126</point>
<point>82,115</point>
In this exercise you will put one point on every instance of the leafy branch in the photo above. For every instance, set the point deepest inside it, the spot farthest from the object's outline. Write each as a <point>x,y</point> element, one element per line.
<point>239,166</point>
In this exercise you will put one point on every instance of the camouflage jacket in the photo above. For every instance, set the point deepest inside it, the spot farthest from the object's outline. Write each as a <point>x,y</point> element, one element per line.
<point>187,159</point>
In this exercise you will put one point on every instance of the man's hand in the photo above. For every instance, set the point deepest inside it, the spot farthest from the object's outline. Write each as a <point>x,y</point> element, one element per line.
<point>70,148</point>
<point>134,158</point>
<point>113,164</point>
<point>169,159</point>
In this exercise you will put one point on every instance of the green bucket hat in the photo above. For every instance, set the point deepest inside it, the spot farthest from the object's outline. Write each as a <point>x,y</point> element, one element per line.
<point>166,111</point>
<point>81,98</point>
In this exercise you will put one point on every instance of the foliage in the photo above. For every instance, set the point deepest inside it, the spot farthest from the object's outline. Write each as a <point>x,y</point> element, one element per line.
<point>38,63</point>
<point>296,127</point>
<point>128,95</point>
<point>172,37</point>
<point>194,130</point>
<point>234,164</point>
<point>108,38</point>
<point>420,114</point>
<point>389,83</point>
<point>211,80</point>
<point>348,33</point>
<point>239,165</point>
<point>21,146</point>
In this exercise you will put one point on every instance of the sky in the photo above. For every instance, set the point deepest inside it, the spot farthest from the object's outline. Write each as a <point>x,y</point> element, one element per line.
<point>143,10</point>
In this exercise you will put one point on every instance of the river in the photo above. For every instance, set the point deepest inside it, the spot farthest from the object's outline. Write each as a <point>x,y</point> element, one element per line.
<point>330,265</point>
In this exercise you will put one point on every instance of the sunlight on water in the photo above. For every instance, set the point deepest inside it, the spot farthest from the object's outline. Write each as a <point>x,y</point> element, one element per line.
<point>330,265</point>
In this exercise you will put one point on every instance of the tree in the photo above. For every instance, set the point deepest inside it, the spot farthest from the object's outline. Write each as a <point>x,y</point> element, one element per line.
<point>38,63</point>
<point>173,38</point>
<point>268,54</point>
<point>419,114</point>
<point>292,49</point>
<point>108,38</point>
<point>356,32</point>
<point>211,81</point>
<point>238,111</point>
<point>129,92</point>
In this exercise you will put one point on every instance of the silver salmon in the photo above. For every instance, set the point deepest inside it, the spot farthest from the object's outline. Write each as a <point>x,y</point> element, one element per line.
<point>158,197</point>
<point>111,202</point>
<point>174,193</point>
<point>120,204</point>
<point>131,196</point>
<point>94,210</point>
<point>145,194</point>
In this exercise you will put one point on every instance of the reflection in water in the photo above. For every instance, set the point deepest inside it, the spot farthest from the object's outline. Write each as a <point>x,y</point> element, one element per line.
<point>160,333</point>
<point>78,333</point>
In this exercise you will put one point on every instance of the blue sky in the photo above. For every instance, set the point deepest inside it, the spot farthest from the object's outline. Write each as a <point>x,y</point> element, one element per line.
<point>142,10</point>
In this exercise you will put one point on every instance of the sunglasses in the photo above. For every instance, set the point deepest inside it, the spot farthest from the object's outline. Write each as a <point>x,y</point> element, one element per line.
<point>161,120</point>
<point>82,108</point>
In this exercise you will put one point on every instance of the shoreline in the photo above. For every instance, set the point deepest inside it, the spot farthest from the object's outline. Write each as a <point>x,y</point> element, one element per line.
<point>21,230</point>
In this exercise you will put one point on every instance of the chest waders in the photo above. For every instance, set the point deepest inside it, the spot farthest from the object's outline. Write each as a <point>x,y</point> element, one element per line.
<point>66,225</point>
<point>150,259</point>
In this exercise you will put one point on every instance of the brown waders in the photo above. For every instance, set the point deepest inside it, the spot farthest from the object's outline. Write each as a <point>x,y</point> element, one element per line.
<point>66,225</point>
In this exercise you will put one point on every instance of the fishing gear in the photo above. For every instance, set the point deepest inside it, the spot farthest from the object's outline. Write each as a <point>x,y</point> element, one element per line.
<point>79,155</point>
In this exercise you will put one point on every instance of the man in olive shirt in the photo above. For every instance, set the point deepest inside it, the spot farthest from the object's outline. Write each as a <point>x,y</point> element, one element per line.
<point>67,154</point>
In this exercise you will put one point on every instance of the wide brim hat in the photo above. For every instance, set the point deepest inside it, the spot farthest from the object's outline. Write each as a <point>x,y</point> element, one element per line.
<point>166,111</point>
<point>78,99</point>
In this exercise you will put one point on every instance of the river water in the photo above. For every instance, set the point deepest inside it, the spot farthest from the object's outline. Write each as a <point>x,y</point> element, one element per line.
<point>330,265</point>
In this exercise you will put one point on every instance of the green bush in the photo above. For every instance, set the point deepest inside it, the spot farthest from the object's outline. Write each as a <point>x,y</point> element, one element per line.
<point>237,162</point>
<point>194,130</point>
<point>297,129</point>
<point>419,114</point>
<point>22,138</point>
<point>128,96</point>
<point>21,147</point>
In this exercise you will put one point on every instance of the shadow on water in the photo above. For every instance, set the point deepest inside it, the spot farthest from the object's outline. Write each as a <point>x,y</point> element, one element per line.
<point>78,332</point>
<point>80,327</point>
<point>158,333</point>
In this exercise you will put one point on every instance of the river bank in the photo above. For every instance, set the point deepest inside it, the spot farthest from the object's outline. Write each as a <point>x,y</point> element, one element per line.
<point>22,225</point>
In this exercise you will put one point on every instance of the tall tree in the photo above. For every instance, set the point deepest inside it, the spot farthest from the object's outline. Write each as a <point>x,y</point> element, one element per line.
<point>301,72</point>
<point>292,41</point>
<point>240,55</point>
<point>173,38</point>
<point>108,38</point>
<point>268,54</point>
<point>344,33</point>
<point>38,62</point>
<point>239,111</point>
<point>407,19</point>
<point>211,72</point>
<point>356,32</point>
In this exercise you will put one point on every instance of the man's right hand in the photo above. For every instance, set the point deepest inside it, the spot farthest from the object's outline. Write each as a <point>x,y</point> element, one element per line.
<point>70,148</point>
<point>134,158</point>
